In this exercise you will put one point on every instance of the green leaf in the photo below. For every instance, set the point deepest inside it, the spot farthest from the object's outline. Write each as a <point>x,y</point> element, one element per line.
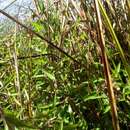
<point>38,27</point>
<point>70,127</point>
<point>117,70</point>
<point>38,76</point>
<point>51,76</point>
<point>93,97</point>
<point>12,121</point>
<point>106,109</point>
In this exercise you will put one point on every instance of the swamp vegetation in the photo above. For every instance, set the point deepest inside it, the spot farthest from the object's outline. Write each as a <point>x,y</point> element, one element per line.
<point>66,67</point>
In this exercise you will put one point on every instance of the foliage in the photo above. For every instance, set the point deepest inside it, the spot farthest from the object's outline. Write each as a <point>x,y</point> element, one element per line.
<point>42,89</point>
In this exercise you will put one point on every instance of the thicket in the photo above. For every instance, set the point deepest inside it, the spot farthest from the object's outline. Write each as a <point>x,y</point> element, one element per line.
<point>67,68</point>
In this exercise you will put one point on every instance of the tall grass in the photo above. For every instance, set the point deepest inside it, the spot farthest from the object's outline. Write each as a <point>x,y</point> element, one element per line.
<point>52,68</point>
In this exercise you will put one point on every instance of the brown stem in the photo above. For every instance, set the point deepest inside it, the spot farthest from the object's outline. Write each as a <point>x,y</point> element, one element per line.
<point>106,70</point>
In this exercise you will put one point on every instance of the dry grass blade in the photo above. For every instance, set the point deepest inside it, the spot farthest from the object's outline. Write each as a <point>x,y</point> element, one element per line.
<point>17,80</point>
<point>107,71</point>
<point>37,6</point>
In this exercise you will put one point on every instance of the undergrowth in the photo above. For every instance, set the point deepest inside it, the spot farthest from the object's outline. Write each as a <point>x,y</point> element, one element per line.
<point>42,88</point>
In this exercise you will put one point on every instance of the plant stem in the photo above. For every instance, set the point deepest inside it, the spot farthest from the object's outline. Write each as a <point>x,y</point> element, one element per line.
<point>106,70</point>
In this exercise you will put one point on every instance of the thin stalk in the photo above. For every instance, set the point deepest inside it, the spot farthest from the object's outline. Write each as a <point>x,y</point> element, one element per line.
<point>17,80</point>
<point>29,66</point>
<point>106,70</point>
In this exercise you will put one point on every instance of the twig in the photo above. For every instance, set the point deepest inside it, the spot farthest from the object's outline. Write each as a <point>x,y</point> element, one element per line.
<point>37,56</point>
<point>9,5</point>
